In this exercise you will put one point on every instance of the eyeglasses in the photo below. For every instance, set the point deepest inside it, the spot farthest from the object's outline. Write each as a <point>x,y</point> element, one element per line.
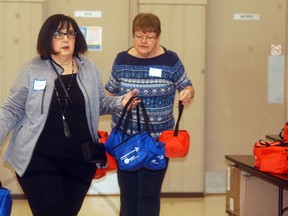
<point>148,38</point>
<point>61,35</point>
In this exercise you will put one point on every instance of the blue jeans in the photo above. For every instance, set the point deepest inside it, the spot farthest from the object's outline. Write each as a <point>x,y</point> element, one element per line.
<point>140,192</point>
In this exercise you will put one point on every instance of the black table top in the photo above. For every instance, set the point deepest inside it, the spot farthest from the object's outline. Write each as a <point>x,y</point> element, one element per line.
<point>246,163</point>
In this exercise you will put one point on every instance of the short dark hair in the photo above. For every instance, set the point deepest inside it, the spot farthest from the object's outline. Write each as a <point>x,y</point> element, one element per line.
<point>147,22</point>
<point>55,23</point>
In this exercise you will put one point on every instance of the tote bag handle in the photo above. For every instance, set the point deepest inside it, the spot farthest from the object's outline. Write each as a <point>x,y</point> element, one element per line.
<point>180,109</point>
<point>128,120</point>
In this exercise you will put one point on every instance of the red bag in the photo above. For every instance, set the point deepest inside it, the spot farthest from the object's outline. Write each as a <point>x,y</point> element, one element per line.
<point>177,142</point>
<point>111,161</point>
<point>271,156</point>
<point>284,132</point>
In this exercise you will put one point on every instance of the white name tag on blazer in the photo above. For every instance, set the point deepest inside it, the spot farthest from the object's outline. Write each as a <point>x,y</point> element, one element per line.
<point>39,85</point>
<point>155,72</point>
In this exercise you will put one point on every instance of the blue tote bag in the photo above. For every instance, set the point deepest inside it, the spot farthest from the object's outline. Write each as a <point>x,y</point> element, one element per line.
<point>138,150</point>
<point>5,201</point>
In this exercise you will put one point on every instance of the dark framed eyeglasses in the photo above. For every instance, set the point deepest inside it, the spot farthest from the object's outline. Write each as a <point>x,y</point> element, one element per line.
<point>61,35</point>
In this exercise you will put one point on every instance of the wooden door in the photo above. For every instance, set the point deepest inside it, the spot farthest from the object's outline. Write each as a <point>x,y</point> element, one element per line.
<point>183,31</point>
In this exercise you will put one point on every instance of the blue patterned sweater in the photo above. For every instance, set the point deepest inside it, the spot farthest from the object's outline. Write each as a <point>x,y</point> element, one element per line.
<point>157,80</point>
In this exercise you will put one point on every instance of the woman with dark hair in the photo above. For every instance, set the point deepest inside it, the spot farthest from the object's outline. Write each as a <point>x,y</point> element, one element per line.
<point>48,130</point>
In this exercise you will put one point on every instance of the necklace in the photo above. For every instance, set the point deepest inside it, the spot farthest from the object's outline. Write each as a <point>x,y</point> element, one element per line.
<point>63,110</point>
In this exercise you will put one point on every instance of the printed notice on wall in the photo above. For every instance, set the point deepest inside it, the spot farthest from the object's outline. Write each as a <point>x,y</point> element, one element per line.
<point>93,37</point>
<point>246,16</point>
<point>276,78</point>
<point>88,14</point>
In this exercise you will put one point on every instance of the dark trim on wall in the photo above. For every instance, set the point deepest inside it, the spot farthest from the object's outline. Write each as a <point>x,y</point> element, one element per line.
<point>18,196</point>
<point>163,195</point>
<point>182,195</point>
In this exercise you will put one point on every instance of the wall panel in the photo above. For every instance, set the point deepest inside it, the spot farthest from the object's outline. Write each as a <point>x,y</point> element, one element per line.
<point>183,31</point>
<point>238,111</point>
<point>20,23</point>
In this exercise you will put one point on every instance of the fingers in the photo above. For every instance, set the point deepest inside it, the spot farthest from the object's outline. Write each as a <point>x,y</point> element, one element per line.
<point>126,98</point>
<point>186,101</point>
<point>134,92</point>
<point>185,96</point>
<point>134,103</point>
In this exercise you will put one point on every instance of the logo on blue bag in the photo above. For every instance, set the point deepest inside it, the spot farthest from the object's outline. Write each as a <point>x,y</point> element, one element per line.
<point>157,159</point>
<point>127,157</point>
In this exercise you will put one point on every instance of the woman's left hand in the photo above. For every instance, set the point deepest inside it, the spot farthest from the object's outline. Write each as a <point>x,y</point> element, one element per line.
<point>186,95</point>
<point>128,96</point>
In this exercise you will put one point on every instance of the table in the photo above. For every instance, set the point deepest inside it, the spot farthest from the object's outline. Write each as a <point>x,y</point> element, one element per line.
<point>246,163</point>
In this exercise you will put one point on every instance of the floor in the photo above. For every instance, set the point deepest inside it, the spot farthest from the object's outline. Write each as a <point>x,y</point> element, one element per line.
<point>211,205</point>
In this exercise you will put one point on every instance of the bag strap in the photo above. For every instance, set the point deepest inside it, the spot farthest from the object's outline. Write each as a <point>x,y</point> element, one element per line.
<point>281,133</point>
<point>123,114</point>
<point>264,143</point>
<point>66,93</point>
<point>127,112</point>
<point>180,111</point>
<point>145,117</point>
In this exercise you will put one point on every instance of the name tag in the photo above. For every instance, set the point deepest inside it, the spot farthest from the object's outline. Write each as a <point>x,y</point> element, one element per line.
<point>155,72</point>
<point>39,85</point>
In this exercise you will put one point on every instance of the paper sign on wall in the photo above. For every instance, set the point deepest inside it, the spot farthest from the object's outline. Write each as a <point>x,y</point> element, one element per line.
<point>93,37</point>
<point>88,14</point>
<point>276,69</point>
<point>246,16</point>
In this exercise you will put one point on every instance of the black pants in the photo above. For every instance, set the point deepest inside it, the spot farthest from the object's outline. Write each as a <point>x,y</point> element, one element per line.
<point>56,187</point>
<point>140,192</point>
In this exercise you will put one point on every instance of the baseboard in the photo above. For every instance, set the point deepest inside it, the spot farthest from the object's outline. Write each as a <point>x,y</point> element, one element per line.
<point>182,195</point>
<point>18,196</point>
<point>163,195</point>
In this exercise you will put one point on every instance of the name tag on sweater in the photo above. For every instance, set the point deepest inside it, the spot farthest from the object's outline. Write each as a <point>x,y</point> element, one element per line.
<point>155,72</point>
<point>39,85</point>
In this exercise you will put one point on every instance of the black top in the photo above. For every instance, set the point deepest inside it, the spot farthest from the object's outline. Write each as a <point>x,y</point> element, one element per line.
<point>52,141</point>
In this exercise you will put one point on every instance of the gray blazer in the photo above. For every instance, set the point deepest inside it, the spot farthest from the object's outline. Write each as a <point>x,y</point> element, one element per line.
<point>26,109</point>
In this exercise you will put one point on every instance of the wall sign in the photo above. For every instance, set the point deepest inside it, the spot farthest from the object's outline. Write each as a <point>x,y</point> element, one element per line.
<point>276,49</point>
<point>276,71</point>
<point>88,14</point>
<point>93,37</point>
<point>246,16</point>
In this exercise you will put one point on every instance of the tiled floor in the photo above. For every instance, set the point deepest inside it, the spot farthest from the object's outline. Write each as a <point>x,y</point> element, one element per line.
<point>211,205</point>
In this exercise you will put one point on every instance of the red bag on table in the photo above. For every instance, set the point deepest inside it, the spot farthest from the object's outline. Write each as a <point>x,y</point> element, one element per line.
<point>111,161</point>
<point>271,157</point>
<point>177,142</point>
